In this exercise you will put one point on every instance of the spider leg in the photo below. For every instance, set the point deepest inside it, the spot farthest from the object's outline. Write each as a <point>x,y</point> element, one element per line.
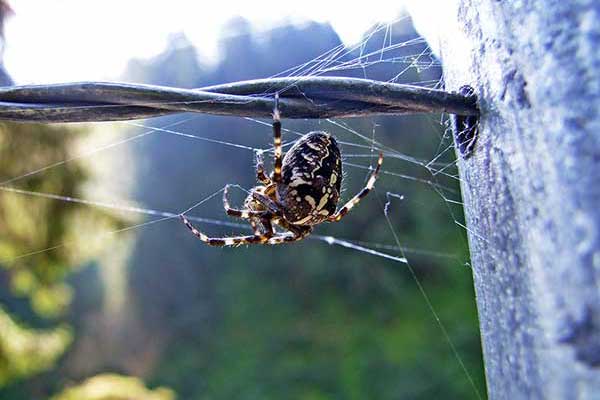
<point>260,169</point>
<point>267,226</point>
<point>228,241</point>
<point>298,233</point>
<point>254,226</point>
<point>271,205</point>
<point>356,199</point>
<point>277,141</point>
<point>244,214</point>
<point>262,226</point>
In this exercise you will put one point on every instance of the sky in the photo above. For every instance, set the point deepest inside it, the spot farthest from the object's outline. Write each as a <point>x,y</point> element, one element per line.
<point>75,40</point>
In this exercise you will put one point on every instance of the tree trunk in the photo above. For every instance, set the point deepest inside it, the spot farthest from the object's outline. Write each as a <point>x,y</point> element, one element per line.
<point>531,189</point>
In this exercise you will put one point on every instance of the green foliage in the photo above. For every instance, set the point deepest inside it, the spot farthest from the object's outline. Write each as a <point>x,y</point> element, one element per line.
<point>36,246</point>
<point>315,330</point>
<point>40,226</point>
<point>114,387</point>
<point>25,351</point>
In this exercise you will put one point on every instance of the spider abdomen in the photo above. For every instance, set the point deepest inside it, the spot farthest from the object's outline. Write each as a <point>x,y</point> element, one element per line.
<point>311,177</point>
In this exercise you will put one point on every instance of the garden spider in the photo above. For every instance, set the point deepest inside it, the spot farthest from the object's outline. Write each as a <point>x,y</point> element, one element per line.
<point>302,191</point>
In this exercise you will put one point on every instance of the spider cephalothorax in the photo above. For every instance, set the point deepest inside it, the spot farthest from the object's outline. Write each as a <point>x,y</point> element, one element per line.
<point>302,191</point>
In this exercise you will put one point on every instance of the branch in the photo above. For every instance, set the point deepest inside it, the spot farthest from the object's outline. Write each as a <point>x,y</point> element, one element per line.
<point>300,97</point>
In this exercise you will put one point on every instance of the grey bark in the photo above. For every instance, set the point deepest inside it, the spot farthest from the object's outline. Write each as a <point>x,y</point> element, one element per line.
<point>531,189</point>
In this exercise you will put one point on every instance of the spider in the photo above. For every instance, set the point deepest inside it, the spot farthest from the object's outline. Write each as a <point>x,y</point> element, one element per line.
<point>302,191</point>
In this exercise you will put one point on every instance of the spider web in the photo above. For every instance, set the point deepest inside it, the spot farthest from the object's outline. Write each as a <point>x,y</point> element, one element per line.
<point>360,142</point>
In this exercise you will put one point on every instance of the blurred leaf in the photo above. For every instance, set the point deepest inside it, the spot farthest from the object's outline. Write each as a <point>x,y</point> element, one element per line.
<point>33,260</point>
<point>114,387</point>
<point>25,351</point>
